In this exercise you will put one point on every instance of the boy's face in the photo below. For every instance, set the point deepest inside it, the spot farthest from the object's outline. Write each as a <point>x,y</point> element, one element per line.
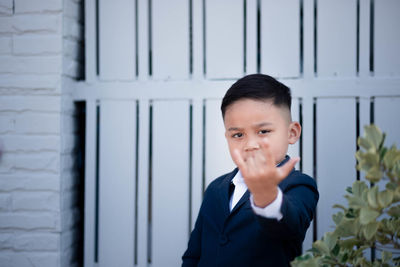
<point>250,124</point>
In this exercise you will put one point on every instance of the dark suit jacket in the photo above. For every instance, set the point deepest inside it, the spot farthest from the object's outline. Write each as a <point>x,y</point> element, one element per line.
<point>242,238</point>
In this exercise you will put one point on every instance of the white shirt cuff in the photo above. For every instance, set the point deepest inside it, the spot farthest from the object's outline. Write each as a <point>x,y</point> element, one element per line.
<point>273,210</point>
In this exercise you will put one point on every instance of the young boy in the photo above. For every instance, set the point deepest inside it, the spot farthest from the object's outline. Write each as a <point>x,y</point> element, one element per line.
<point>258,214</point>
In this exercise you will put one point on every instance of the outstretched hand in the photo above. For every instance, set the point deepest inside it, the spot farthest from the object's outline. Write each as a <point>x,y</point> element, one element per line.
<point>261,174</point>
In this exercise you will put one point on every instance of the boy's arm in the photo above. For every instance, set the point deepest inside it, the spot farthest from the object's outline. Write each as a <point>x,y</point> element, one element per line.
<point>300,197</point>
<point>192,254</point>
<point>262,178</point>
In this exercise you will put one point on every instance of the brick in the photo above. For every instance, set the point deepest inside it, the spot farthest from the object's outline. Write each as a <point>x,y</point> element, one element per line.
<point>6,7</point>
<point>47,259</point>
<point>30,81</point>
<point>6,240</point>
<point>35,201</point>
<point>30,103</point>
<point>29,221</point>
<point>29,65</point>
<point>5,259</point>
<point>37,23</point>
<point>72,29</point>
<point>44,161</point>
<point>72,10</point>
<point>37,44</point>
<point>6,25</point>
<point>73,49</point>
<point>37,123</point>
<point>30,182</point>
<point>5,202</point>
<point>30,143</point>
<point>26,6</point>
<point>36,242</point>
<point>5,45</point>
<point>7,123</point>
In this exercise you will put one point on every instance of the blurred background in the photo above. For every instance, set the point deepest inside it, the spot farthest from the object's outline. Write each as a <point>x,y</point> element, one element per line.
<point>110,128</point>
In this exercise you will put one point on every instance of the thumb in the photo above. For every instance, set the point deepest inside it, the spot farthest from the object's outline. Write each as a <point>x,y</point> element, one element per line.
<point>286,168</point>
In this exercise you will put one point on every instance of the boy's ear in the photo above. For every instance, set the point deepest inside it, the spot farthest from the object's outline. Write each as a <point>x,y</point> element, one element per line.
<point>294,132</point>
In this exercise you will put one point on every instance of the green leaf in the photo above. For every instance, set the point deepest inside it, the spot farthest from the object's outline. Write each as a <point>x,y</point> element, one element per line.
<point>337,218</point>
<point>374,174</point>
<point>385,198</point>
<point>368,215</point>
<point>349,243</point>
<point>330,240</point>
<point>365,143</point>
<point>321,247</point>
<point>355,202</point>
<point>394,211</point>
<point>373,135</point>
<point>386,256</point>
<point>373,197</point>
<point>358,187</point>
<point>370,230</point>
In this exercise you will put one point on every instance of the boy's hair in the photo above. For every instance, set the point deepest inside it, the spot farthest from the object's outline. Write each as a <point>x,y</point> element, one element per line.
<point>257,87</point>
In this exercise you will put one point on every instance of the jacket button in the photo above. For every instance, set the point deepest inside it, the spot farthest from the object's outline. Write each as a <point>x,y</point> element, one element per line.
<point>223,239</point>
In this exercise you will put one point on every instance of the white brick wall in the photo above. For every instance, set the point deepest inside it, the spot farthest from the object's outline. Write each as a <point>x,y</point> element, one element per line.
<point>40,59</point>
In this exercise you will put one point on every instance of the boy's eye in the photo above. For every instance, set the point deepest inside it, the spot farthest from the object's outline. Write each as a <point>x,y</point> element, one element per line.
<point>237,135</point>
<point>264,131</point>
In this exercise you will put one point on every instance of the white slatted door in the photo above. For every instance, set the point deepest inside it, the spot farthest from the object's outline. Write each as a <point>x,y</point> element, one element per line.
<point>280,38</point>
<point>170,182</point>
<point>336,38</point>
<point>387,38</point>
<point>385,108</point>
<point>117,44</point>
<point>218,159</point>
<point>224,39</point>
<point>336,145</point>
<point>117,183</point>
<point>170,32</point>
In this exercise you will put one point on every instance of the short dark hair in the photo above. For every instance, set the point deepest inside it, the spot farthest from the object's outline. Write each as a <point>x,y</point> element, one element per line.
<point>257,87</point>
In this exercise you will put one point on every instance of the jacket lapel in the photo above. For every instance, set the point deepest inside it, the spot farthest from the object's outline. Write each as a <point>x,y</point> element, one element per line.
<point>224,193</point>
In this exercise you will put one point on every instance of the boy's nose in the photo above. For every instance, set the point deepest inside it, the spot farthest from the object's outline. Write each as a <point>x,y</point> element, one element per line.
<point>251,145</point>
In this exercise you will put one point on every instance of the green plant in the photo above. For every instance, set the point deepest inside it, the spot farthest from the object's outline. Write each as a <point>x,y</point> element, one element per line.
<point>372,218</point>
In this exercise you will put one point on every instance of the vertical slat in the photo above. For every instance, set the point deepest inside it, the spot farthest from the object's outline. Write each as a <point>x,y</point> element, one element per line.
<point>90,40</point>
<point>198,39</point>
<point>387,37</point>
<point>387,110</point>
<point>170,35</point>
<point>90,184</point>
<point>117,183</point>
<point>336,128</point>
<point>280,38</point>
<point>218,159</point>
<point>224,39</point>
<point>143,39</point>
<point>170,182</point>
<point>293,150</point>
<point>197,171</point>
<point>117,53</point>
<point>251,36</point>
<point>336,38</point>
<point>308,37</point>
<point>364,43</point>
<point>307,156</point>
<point>143,182</point>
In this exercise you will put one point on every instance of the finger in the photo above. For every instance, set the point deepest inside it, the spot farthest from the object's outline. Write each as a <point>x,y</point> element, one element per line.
<point>286,168</point>
<point>269,156</point>
<point>238,159</point>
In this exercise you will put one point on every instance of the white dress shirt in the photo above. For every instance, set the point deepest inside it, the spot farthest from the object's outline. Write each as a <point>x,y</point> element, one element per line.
<point>272,211</point>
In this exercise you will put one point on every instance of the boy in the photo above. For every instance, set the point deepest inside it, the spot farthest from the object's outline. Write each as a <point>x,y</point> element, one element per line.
<point>258,214</point>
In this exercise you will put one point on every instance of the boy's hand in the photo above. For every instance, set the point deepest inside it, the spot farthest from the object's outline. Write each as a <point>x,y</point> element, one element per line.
<point>260,173</point>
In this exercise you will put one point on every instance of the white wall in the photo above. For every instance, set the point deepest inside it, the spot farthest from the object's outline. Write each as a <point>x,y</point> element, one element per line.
<point>37,67</point>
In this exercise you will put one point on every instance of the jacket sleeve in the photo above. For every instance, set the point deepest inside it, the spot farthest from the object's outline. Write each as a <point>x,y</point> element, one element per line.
<point>192,254</point>
<point>300,197</point>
